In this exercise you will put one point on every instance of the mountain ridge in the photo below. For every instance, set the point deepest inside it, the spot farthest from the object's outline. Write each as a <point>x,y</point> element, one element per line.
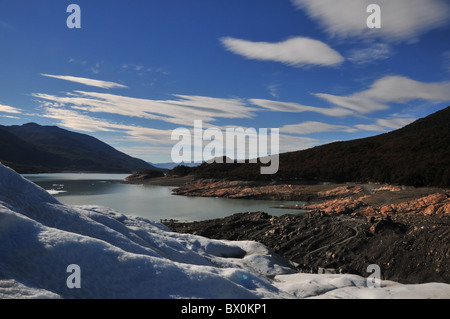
<point>33,148</point>
<point>417,154</point>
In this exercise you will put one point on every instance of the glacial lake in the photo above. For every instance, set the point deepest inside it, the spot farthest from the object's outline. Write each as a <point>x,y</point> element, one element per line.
<point>148,201</point>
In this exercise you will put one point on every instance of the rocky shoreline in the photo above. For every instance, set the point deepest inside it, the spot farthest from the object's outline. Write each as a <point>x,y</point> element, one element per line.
<point>404,230</point>
<point>376,194</point>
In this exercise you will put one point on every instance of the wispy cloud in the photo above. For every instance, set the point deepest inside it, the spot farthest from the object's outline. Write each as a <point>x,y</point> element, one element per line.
<point>94,68</point>
<point>81,122</point>
<point>373,53</point>
<point>181,110</point>
<point>395,123</point>
<point>292,107</point>
<point>132,66</point>
<point>142,68</point>
<point>83,111</point>
<point>86,81</point>
<point>315,127</point>
<point>400,19</point>
<point>9,109</point>
<point>298,51</point>
<point>273,90</point>
<point>382,125</point>
<point>358,102</point>
<point>10,117</point>
<point>446,60</point>
<point>144,139</point>
<point>312,127</point>
<point>289,143</point>
<point>184,109</point>
<point>390,89</point>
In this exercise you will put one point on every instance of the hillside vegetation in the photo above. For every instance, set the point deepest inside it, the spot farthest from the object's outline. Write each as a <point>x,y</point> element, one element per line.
<point>417,154</point>
<point>32,148</point>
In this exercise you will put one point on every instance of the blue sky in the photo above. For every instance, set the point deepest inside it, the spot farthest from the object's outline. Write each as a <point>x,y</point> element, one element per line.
<point>137,70</point>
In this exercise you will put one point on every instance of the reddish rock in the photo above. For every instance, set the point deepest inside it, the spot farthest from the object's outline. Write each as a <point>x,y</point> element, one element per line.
<point>428,205</point>
<point>336,199</point>
<point>386,210</point>
<point>341,190</point>
<point>336,206</point>
<point>368,211</point>
<point>390,188</point>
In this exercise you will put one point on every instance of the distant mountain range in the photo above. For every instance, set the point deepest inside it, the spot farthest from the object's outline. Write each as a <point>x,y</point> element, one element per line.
<point>32,148</point>
<point>171,165</point>
<point>417,154</point>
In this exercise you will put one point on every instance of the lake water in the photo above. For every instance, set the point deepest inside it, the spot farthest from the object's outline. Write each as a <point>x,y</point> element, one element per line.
<point>149,201</point>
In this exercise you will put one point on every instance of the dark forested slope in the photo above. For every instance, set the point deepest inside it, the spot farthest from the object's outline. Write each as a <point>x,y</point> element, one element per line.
<point>32,148</point>
<point>417,154</point>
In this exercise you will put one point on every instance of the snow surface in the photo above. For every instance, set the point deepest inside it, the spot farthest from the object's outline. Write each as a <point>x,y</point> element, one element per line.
<point>122,256</point>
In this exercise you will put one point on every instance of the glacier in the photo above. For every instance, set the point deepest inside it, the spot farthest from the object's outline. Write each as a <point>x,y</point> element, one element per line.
<point>124,256</point>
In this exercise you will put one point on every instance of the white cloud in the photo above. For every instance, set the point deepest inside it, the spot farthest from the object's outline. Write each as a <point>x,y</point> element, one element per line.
<point>382,125</point>
<point>400,19</point>
<point>219,107</point>
<point>289,143</point>
<point>157,154</point>
<point>96,70</point>
<point>402,89</point>
<point>85,81</point>
<point>370,127</point>
<point>10,117</point>
<point>315,127</point>
<point>356,102</point>
<point>446,60</point>
<point>390,89</point>
<point>298,51</point>
<point>377,51</point>
<point>395,123</point>
<point>81,122</point>
<point>140,141</point>
<point>182,111</point>
<point>134,67</point>
<point>296,107</point>
<point>9,109</point>
<point>273,90</point>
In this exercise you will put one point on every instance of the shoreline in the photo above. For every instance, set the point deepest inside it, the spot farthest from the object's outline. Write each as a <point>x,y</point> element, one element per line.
<point>408,249</point>
<point>377,194</point>
<point>288,190</point>
<point>346,227</point>
<point>162,181</point>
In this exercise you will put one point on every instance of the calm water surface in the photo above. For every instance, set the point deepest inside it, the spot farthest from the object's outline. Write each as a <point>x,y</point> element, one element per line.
<point>149,201</point>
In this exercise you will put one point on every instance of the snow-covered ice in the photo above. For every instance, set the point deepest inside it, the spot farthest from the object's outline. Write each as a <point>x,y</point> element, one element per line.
<point>55,191</point>
<point>121,256</point>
